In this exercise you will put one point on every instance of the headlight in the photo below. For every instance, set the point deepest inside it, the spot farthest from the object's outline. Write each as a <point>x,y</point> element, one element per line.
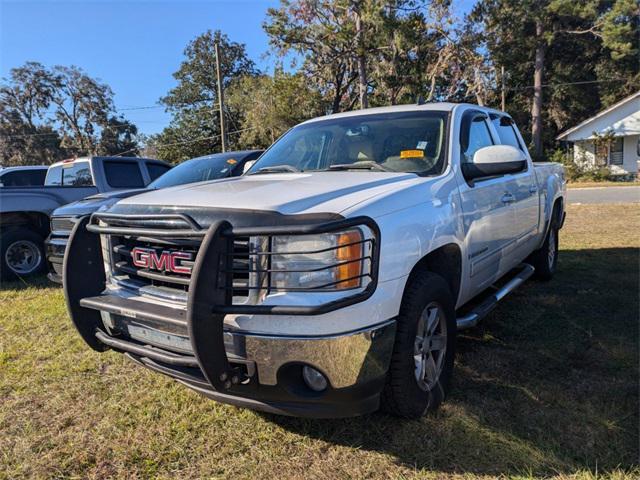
<point>327,261</point>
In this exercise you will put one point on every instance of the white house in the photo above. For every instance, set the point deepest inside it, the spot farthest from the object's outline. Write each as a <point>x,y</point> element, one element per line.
<point>621,124</point>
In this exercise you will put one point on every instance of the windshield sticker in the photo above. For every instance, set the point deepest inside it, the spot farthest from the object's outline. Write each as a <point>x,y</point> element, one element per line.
<point>411,154</point>
<point>422,145</point>
<point>232,161</point>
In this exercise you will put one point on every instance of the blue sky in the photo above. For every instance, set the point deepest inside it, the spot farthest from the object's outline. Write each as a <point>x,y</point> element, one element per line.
<point>134,46</point>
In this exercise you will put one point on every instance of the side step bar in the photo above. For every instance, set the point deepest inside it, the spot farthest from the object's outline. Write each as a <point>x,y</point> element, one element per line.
<point>472,318</point>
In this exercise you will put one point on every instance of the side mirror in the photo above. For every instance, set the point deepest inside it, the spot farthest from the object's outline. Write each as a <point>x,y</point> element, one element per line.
<point>247,166</point>
<point>495,160</point>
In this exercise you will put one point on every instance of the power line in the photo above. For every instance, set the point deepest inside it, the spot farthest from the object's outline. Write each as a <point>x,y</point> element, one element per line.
<point>20,135</point>
<point>52,134</point>
<point>146,107</point>
<point>212,137</point>
<point>552,85</point>
<point>153,106</point>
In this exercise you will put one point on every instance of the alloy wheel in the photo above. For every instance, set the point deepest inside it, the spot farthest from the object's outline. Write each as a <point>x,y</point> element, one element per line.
<point>430,346</point>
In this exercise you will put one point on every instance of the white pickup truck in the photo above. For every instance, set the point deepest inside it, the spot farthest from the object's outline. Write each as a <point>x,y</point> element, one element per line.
<point>330,280</point>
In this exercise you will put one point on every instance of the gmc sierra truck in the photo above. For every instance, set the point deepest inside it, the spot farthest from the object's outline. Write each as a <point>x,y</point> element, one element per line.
<point>329,280</point>
<point>24,210</point>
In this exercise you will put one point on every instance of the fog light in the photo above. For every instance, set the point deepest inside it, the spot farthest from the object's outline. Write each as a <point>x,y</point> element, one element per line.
<point>314,379</point>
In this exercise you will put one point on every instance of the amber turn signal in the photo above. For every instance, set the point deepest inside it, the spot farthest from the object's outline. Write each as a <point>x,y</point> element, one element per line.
<point>349,254</point>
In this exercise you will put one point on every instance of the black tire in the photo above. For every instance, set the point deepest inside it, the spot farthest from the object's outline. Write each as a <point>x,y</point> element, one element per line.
<point>545,260</point>
<point>9,239</point>
<point>402,395</point>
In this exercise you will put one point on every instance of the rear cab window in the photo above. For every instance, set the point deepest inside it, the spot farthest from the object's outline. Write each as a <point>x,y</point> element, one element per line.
<point>122,174</point>
<point>71,174</point>
<point>156,169</point>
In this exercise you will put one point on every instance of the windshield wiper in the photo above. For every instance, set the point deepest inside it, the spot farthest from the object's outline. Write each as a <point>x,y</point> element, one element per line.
<point>278,169</point>
<point>359,166</point>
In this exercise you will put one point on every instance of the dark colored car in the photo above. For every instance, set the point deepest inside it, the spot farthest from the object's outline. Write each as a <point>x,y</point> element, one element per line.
<point>210,167</point>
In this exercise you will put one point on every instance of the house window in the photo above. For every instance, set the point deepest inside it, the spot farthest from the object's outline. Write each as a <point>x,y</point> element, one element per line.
<point>616,151</point>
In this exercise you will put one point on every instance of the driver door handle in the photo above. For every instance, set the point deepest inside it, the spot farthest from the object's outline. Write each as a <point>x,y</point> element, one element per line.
<point>508,198</point>
<point>533,189</point>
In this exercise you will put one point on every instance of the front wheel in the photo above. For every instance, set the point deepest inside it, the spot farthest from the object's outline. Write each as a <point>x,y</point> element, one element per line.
<point>21,253</point>
<point>422,361</point>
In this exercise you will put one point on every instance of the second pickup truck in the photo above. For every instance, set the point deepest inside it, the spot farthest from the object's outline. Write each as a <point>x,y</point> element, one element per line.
<point>25,210</point>
<point>331,279</point>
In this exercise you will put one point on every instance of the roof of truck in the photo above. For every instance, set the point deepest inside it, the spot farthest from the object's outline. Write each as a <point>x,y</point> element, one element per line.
<point>414,107</point>
<point>110,157</point>
<point>23,167</point>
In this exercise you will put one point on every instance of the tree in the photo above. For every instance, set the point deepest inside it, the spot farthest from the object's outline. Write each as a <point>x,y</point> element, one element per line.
<point>24,144</point>
<point>195,128</point>
<point>559,56</point>
<point>47,114</point>
<point>379,52</point>
<point>82,107</point>
<point>118,136</point>
<point>25,137</point>
<point>277,103</point>
<point>322,32</point>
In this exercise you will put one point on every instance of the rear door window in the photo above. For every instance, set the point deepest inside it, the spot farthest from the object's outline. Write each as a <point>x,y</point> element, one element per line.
<point>506,131</point>
<point>123,174</point>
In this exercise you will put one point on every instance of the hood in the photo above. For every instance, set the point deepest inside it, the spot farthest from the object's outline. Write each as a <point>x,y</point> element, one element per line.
<point>287,193</point>
<point>92,203</point>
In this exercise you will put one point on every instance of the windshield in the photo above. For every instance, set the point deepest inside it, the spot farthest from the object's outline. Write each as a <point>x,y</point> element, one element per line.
<point>396,142</point>
<point>198,170</point>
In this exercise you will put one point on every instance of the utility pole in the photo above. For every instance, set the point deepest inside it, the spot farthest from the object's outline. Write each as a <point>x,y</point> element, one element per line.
<point>504,101</point>
<point>223,132</point>
<point>362,69</point>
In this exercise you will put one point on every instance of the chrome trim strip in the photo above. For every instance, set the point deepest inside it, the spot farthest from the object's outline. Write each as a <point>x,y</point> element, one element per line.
<point>369,328</point>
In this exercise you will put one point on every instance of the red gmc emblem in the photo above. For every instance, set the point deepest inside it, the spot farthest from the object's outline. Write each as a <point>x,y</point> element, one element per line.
<point>166,260</point>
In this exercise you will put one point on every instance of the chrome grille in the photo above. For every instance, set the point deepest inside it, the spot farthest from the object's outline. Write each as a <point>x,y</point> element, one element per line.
<point>171,286</point>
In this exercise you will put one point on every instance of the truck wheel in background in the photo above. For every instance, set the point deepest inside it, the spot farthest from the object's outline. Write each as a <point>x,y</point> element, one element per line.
<point>422,361</point>
<point>545,260</point>
<point>21,253</point>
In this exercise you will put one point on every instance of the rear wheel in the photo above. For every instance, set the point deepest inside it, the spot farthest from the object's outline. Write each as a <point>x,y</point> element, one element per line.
<point>422,361</point>
<point>21,253</point>
<point>545,260</point>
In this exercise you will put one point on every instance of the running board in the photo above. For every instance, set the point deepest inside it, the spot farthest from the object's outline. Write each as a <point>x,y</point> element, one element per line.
<point>472,318</point>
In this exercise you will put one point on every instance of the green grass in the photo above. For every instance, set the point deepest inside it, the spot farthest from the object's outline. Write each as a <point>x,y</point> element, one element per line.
<point>604,183</point>
<point>545,386</point>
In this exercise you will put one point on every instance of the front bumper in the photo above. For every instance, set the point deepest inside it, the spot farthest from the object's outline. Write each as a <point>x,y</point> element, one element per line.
<point>192,345</point>
<point>355,365</point>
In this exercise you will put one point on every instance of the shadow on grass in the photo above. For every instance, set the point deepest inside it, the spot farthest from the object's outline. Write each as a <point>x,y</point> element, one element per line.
<point>547,384</point>
<point>37,282</point>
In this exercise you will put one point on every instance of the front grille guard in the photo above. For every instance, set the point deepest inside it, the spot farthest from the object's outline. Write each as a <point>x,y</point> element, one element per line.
<point>210,286</point>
